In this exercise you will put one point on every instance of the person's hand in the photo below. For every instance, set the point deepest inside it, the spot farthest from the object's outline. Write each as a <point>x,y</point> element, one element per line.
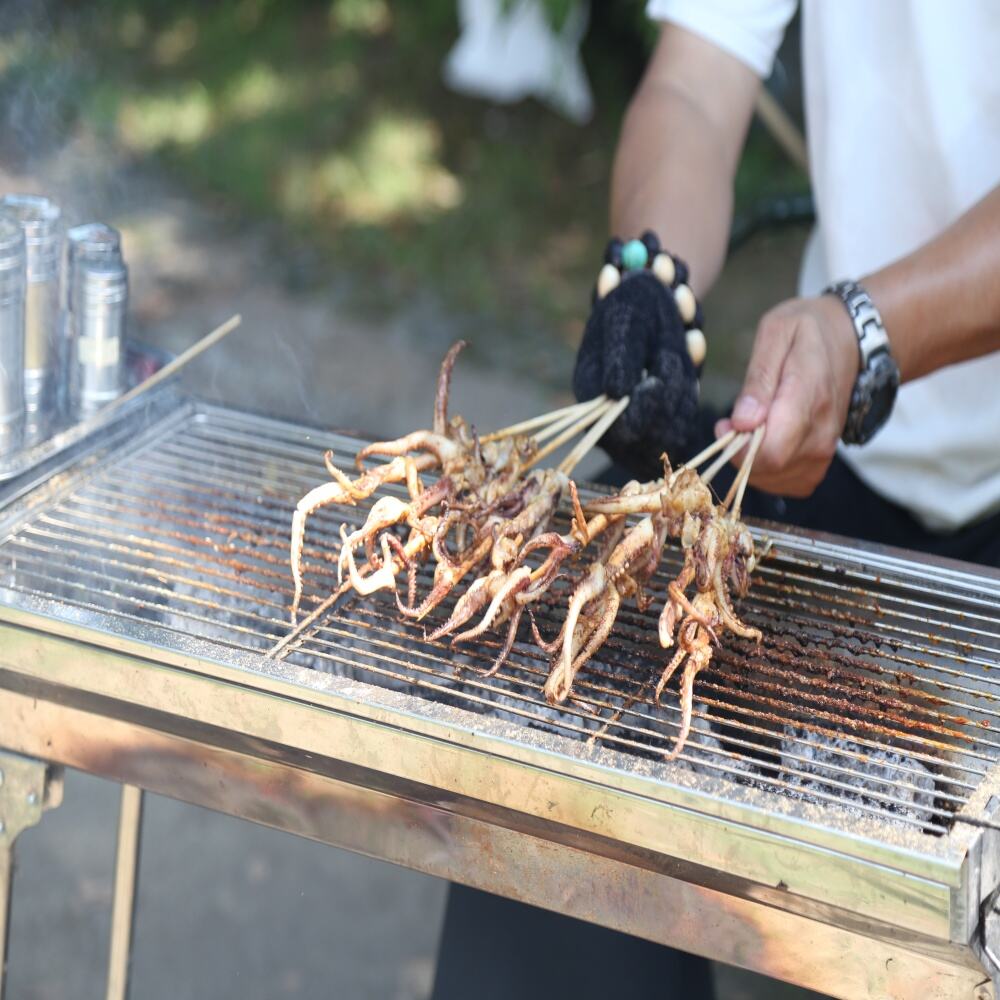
<point>800,378</point>
<point>635,344</point>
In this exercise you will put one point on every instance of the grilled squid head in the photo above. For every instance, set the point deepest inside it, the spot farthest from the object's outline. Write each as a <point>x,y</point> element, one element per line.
<point>742,559</point>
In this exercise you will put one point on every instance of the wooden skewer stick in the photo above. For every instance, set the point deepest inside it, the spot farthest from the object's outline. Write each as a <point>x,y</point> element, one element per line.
<point>743,476</point>
<point>542,420</point>
<point>592,436</point>
<point>209,340</point>
<point>737,443</point>
<point>299,628</point>
<point>563,422</point>
<point>707,453</point>
<point>577,427</point>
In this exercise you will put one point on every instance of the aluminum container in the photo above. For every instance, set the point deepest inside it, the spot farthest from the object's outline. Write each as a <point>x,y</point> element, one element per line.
<point>99,301</point>
<point>90,241</point>
<point>12,280</point>
<point>39,218</point>
<point>87,241</point>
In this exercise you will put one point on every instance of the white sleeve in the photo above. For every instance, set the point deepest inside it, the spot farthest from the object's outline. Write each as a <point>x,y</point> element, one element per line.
<point>751,30</point>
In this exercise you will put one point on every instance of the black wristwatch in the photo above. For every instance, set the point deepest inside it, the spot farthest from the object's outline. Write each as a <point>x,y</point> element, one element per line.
<point>878,374</point>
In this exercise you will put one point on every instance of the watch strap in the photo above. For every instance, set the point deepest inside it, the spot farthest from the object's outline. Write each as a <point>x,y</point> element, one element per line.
<point>866,318</point>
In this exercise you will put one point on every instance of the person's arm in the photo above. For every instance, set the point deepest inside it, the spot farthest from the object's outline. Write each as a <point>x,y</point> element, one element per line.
<point>940,305</point>
<point>679,149</point>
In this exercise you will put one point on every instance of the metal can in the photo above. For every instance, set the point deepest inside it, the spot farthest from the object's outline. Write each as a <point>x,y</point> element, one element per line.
<point>12,272</point>
<point>39,218</point>
<point>88,241</point>
<point>91,241</point>
<point>98,307</point>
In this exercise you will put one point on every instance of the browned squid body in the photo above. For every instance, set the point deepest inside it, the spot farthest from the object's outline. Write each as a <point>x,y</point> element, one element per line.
<point>718,555</point>
<point>473,476</point>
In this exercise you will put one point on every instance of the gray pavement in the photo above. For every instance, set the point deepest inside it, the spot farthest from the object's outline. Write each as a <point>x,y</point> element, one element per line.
<point>227,909</point>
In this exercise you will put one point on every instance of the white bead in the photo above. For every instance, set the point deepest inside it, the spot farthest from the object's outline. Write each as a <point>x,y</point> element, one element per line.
<point>663,268</point>
<point>686,304</point>
<point>608,279</point>
<point>697,346</point>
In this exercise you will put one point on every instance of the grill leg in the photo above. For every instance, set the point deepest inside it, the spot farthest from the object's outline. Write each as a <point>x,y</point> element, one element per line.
<point>6,877</point>
<point>27,788</point>
<point>126,884</point>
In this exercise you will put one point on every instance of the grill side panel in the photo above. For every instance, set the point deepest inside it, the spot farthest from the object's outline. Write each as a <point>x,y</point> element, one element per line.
<point>644,895</point>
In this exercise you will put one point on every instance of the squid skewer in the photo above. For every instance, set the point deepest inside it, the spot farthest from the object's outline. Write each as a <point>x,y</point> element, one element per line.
<point>718,551</point>
<point>483,474</point>
<point>545,490</point>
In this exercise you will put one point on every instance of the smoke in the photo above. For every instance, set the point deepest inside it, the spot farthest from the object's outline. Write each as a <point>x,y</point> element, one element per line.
<point>44,71</point>
<point>34,94</point>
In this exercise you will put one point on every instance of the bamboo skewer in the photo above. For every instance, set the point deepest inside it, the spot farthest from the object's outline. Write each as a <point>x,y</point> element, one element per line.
<point>563,422</point>
<point>577,427</point>
<point>734,447</point>
<point>576,409</point>
<point>743,476</point>
<point>593,436</point>
<point>707,453</point>
<point>209,340</point>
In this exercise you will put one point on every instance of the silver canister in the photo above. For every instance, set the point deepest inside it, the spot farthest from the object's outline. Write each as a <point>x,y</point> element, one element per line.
<point>12,271</point>
<point>87,241</point>
<point>90,241</point>
<point>99,306</point>
<point>39,218</point>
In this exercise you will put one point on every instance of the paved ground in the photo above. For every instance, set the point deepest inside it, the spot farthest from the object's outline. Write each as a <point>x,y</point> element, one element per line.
<point>226,909</point>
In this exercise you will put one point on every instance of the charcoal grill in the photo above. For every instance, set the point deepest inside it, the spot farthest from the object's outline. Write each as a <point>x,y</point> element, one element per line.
<point>829,822</point>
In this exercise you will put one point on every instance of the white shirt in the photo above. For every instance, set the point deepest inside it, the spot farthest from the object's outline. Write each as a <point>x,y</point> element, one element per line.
<point>903,115</point>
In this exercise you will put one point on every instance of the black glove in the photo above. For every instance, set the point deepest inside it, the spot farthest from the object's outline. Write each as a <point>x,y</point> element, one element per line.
<point>636,343</point>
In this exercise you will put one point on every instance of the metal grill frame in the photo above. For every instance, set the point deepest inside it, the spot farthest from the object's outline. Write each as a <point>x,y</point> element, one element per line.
<point>806,893</point>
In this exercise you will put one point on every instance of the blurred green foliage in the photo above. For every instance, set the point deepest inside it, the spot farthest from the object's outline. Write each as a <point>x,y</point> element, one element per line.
<point>330,118</point>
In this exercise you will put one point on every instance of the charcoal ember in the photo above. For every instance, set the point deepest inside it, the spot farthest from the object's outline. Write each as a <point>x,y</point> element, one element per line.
<point>704,751</point>
<point>810,761</point>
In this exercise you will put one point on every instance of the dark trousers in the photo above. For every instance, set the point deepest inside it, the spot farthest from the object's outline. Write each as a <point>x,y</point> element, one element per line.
<point>495,949</point>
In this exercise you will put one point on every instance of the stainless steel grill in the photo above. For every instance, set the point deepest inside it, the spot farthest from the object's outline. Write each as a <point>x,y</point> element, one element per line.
<point>191,531</point>
<point>860,727</point>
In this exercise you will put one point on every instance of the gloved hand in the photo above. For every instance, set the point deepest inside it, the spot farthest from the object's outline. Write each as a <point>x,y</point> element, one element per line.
<point>638,342</point>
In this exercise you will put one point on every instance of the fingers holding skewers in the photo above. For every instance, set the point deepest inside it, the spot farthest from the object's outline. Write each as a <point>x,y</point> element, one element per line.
<point>799,380</point>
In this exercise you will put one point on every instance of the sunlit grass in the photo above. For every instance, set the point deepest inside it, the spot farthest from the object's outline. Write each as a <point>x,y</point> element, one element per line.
<point>260,89</point>
<point>366,17</point>
<point>148,122</point>
<point>391,172</point>
<point>176,41</point>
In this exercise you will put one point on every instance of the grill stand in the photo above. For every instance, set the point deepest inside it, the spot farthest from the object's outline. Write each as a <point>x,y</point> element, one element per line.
<point>28,788</point>
<point>126,885</point>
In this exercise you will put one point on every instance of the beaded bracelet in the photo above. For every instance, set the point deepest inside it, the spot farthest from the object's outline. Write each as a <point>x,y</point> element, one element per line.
<point>646,253</point>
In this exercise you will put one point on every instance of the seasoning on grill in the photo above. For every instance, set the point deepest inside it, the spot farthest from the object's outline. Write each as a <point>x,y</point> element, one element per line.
<point>99,293</point>
<point>39,218</point>
<point>12,267</point>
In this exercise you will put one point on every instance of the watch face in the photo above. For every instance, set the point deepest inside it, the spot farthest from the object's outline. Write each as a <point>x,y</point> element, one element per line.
<point>882,383</point>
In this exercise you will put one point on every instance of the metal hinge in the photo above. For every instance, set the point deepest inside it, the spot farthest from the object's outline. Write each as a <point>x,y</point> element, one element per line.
<point>27,788</point>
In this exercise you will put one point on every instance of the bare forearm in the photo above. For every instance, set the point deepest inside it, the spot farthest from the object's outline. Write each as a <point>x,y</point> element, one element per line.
<point>941,304</point>
<point>669,176</point>
<point>679,148</point>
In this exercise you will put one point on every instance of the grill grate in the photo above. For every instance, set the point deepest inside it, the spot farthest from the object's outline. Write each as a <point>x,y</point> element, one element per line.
<point>871,689</point>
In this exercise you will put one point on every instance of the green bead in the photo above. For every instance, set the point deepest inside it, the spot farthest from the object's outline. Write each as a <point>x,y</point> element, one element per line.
<point>634,255</point>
